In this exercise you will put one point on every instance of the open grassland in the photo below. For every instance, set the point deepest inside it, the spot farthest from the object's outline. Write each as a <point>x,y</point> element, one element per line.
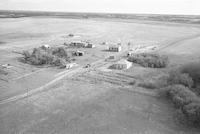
<point>192,19</point>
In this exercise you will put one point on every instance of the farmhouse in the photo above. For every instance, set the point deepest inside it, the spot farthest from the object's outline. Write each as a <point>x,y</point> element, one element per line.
<point>120,65</point>
<point>115,48</point>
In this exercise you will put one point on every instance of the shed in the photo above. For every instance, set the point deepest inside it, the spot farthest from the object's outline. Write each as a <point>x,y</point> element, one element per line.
<point>90,45</point>
<point>104,43</point>
<point>45,46</point>
<point>115,48</point>
<point>131,53</point>
<point>122,64</point>
<point>112,57</point>
<point>78,53</point>
<point>71,35</point>
<point>70,65</point>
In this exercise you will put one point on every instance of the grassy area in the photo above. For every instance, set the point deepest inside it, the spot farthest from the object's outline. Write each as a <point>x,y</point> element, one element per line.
<point>163,18</point>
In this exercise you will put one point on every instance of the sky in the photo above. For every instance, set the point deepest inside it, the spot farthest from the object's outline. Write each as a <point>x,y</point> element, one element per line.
<point>187,7</point>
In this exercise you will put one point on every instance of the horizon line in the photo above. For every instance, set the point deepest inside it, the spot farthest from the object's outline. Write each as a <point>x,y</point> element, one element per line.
<point>21,10</point>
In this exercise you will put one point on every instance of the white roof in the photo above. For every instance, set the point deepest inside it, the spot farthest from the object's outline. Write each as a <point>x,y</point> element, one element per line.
<point>79,51</point>
<point>78,42</point>
<point>114,46</point>
<point>123,61</point>
<point>46,45</point>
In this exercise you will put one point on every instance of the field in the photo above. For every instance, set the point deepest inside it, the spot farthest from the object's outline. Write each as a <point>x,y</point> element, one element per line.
<point>44,100</point>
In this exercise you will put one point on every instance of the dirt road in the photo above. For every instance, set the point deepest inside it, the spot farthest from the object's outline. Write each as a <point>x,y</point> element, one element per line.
<point>177,41</point>
<point>44,87</point>
<point>59,76</point>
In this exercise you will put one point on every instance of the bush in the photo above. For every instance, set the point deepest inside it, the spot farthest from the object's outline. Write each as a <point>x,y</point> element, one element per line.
<point>61,53</point>
<point>147,84</point>
<point>132,82</point>
<point>40,57</point>
<point>149,60</point>
<point>26,54</point>
<point>181,95</point>
<point>159,82</point>
<point>184,99</point>
<point>180,92</point>
<point>50,56</point>
<point>58,62</point>
<point>193,69</point>
<point>176,77</point>
<point>33,61</point>
<point>192,112</point>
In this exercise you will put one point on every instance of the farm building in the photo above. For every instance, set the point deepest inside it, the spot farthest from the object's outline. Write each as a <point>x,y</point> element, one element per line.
<point>104,43</point>
<point>78,53</point>
<point>6,66</point>
<point>45,46</point>
<point>90,45</point>
<point>131,53</point>
<point>78,44</point>
<point>70,65</point>
<point>71,35</point>
<point>112,57</point>
<point>115,48</point>
<point>120,65</point>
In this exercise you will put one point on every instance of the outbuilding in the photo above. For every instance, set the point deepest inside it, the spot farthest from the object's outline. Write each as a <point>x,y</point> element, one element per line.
<point>78,44</point>
<point>78,53</point>
<point>115,48</point>
<point>112,57</point>
<point>70,65</point>
<point>90,45</point>
<point>131,53</point>
<point>122,64</point>
<point>45,46</point>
